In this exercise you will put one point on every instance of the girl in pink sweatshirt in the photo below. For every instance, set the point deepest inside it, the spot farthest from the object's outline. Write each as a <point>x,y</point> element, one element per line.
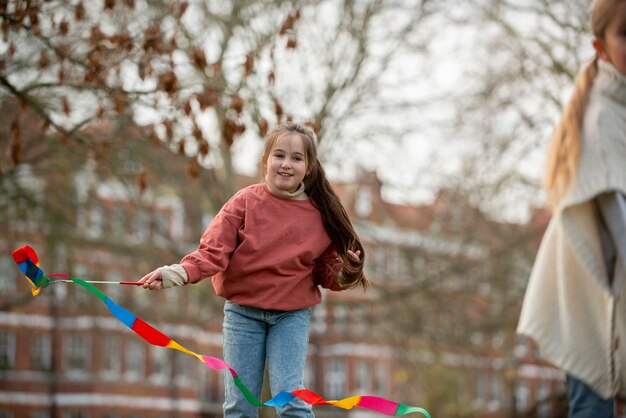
<point>267,252</point>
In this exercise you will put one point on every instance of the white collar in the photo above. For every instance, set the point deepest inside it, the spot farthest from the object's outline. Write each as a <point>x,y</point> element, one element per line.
<point>298,194</point>
<point>611,81</point>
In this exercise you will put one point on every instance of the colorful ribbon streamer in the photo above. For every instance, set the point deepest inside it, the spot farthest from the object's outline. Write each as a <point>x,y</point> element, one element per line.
<point>28,263</point>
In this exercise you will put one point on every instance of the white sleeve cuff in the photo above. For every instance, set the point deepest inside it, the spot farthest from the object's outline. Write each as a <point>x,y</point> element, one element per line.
<point>173,275</point>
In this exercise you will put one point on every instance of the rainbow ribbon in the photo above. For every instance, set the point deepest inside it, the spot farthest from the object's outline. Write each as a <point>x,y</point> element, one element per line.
<point>28,263</point>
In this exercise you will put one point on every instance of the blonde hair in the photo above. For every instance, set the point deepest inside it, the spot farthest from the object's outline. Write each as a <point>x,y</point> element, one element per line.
<point>320,191</point>
<point>565,146</point>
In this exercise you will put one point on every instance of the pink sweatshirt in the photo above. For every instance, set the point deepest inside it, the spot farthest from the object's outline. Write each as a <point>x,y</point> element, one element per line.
<point>265,251</point>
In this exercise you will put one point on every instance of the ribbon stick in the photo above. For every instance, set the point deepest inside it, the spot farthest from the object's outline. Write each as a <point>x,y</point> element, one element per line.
<point>66,279</point>
<point>28,263</point>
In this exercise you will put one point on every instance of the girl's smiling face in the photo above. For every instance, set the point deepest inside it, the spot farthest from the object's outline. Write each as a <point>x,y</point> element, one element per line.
<point>286,165</point>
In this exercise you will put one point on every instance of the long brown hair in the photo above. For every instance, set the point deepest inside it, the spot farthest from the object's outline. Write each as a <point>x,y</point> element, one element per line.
<point>320,191</point>
<point>565,146</point>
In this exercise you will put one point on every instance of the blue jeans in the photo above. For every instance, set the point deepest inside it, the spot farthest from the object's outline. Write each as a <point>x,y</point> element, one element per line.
<point>585,403</point>
<point>253,337</point>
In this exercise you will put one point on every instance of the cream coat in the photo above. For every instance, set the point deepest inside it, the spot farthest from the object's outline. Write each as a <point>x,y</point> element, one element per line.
<point>570,310</point>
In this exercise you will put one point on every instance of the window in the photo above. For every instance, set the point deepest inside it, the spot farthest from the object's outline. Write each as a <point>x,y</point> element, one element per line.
<point>363,374</point>
<point>135,369</point>
<point>377,260</point>
<point>341,318</point>
<point>142,225</point>
<point>77,353</point>
<point>404,265</point>
<point>61,257</point>
<point>60,292</point>
<point>497,394</point>
<point>7,276</point>
<point>309,374</point>
<point>183,370</point>
<point>144,299</point>
<point>521,348</point>
<point>361,323</point>
<point>174,300</point>
<point>6,414</point>
<point>382,382</point>
<point>7,350</point>
<point>41,352</point>
<point>522,396</point>
<point>95,227</point>
<point>543,400</point>
<point>480,393</point>
<point>335,378</point>
<point>114,292</point>
<point>419,265</point>
<point>205,389</point>
<point>160,365</point>
<point>363,205</point>
<point>221,385</point>
<point>212,385</point>
<point>160,225</point>
<point>81,295</point>
<point>39,414</point>
<point>111,363</point>
<point>318,319</point>
<point>82,218</point>
<point>118,221</point>
<point>393,262</point>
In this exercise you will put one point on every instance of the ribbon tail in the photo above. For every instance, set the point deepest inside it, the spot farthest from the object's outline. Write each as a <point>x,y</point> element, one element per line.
<point>156,337</point>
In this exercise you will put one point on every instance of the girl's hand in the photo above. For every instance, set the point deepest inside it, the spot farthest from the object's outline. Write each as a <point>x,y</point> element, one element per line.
<point>152,280</point>
<point>355,256</point>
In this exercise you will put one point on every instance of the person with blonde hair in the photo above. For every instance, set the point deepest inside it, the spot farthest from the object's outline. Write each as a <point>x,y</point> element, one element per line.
<point>267,252</point>
<point>575,307</point>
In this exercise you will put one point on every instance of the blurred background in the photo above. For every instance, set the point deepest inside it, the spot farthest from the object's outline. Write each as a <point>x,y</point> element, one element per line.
<point>126,124</point>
